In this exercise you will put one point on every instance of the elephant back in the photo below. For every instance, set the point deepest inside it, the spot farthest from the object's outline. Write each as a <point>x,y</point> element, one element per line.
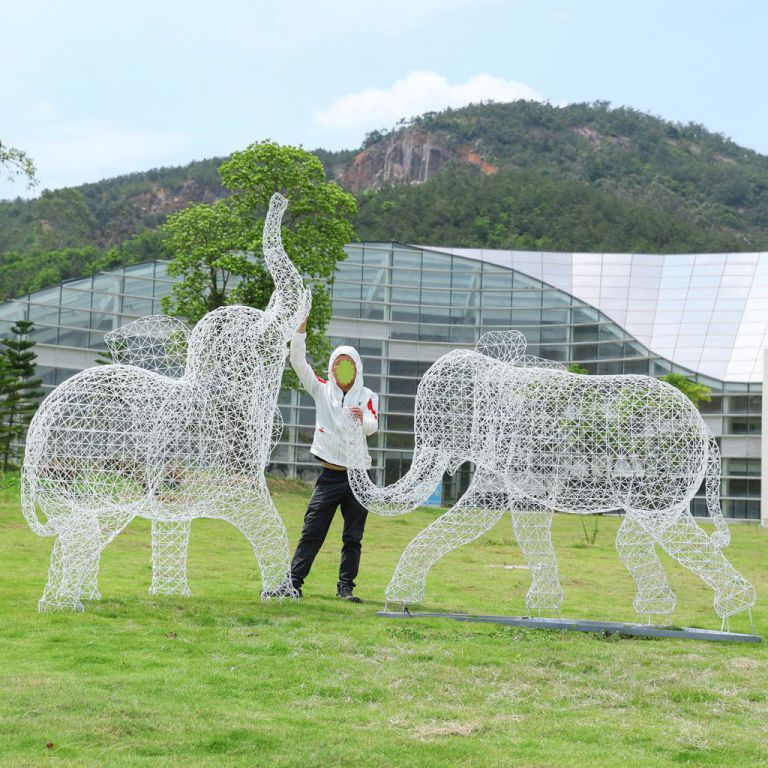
<point>114,436</point>
<point>598,443</point>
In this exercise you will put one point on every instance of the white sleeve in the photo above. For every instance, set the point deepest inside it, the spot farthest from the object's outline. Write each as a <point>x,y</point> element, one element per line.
<point>298,358</point>
<point>371,415</point>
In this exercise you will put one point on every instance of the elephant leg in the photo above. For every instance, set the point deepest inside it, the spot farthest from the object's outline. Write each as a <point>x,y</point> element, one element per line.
<point>170,540</point>
<point>75,557</point>
<point>74,570</point>
<point>637,551</point>
<point>109,526</point>
<point>260,523</point>
<point>90,586</point>
<point>692,547</point>
<point>478,510</point>
<point>532,524</point>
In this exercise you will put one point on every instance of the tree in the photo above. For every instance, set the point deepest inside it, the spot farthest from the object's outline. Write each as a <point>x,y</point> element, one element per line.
<point>15,162</point>
<point>695,392</point>
<point>576,368</point>
<point>209,253</point>
<point>20,391</point>
<point>216,249</point>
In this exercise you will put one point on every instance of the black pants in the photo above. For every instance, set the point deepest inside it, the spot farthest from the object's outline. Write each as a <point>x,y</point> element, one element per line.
<point>331,491</point>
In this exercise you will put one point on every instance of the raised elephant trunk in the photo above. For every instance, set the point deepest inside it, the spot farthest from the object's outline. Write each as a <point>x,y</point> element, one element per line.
<point>290,302</point>
<point>403,496</point>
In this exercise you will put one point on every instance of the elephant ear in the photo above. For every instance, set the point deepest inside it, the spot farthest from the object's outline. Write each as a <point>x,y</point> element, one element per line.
<point>155,342</point>
<point>506,346</point>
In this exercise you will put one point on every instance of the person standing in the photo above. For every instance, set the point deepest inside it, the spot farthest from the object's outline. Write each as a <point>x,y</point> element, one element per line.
<point>342,390</point>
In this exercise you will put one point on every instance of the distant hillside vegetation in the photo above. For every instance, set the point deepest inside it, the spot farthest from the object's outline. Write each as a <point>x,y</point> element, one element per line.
<point>520,175</point>
<point>701,178</point>
<point>107,212</point>
<point>529,210</point>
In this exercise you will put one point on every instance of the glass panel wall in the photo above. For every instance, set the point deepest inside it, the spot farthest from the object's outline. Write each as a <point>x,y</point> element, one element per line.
<point>426,303</point>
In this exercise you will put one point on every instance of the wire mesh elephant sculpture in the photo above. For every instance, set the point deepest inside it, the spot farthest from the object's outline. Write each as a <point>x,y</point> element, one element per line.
<point>185,432</point>
<point>542,440</point>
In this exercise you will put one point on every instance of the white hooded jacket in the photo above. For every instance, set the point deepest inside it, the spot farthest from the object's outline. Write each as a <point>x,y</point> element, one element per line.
<point>329,444</point>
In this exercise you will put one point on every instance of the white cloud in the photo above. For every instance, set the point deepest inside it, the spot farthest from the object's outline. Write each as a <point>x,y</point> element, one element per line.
<point>416,93</point>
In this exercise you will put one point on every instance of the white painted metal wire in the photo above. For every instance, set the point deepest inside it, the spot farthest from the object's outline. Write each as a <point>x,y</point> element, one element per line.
<point>544,440</point>
<point>180,427</point>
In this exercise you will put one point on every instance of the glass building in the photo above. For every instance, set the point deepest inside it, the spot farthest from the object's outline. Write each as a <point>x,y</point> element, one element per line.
<point>402,306</point>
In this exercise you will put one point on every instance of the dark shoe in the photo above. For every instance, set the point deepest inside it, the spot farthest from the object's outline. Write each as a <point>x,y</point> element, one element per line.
<point>345,593</point>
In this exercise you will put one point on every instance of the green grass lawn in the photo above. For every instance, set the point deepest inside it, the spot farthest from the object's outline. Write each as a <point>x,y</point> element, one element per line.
<point>220,679</point>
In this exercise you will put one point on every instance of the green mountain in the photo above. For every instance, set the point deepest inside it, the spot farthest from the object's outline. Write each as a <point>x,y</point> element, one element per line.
<point>519,175</point>
<point>680,186</point>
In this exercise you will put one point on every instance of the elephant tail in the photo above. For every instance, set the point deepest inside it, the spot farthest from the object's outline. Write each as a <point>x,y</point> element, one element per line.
<point>722,535</point>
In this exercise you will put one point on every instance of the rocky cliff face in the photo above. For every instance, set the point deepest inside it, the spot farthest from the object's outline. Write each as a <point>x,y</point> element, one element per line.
<point>149,207</point>
<point>159,200</point>
<point>411,156</point>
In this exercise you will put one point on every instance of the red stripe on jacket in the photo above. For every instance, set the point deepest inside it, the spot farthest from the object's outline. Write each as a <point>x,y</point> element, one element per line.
<point>371,409</point>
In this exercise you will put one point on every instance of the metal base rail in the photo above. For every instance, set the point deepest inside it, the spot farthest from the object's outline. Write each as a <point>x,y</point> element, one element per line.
<point>582,625</point>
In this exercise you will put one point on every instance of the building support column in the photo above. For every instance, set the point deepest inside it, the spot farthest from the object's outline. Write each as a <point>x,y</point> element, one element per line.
<point>764,447</point>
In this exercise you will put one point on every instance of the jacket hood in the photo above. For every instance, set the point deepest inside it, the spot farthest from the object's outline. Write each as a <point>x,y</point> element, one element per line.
<point>358,384</point>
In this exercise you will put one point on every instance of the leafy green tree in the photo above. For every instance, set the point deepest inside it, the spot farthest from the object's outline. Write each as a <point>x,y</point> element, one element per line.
<point>209,253</point>
<point>20,391</point>
<point>216,249</point>
<point>695,392</point>
<point>16,162</point>
<point>576,368</point>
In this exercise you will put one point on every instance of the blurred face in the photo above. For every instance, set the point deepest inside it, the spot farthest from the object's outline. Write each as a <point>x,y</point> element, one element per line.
<point>344,371</point>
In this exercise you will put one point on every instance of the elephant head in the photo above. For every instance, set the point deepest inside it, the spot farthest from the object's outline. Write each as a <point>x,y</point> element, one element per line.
<point>453,397</point>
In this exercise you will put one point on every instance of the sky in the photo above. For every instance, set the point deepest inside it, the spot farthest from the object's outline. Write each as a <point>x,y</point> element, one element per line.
<point>96,88</point>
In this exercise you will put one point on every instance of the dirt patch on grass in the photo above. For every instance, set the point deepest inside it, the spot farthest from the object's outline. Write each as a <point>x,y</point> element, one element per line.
<point>745,663</point>
<point>432,731</point>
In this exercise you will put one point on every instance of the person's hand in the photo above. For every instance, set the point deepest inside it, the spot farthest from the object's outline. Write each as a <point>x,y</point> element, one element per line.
<point>303,326</point>
<point>357,413</point>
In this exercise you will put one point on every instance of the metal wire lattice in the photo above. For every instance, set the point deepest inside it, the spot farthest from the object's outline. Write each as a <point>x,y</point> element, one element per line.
<point>180,427</point>
<point>545,440</point>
